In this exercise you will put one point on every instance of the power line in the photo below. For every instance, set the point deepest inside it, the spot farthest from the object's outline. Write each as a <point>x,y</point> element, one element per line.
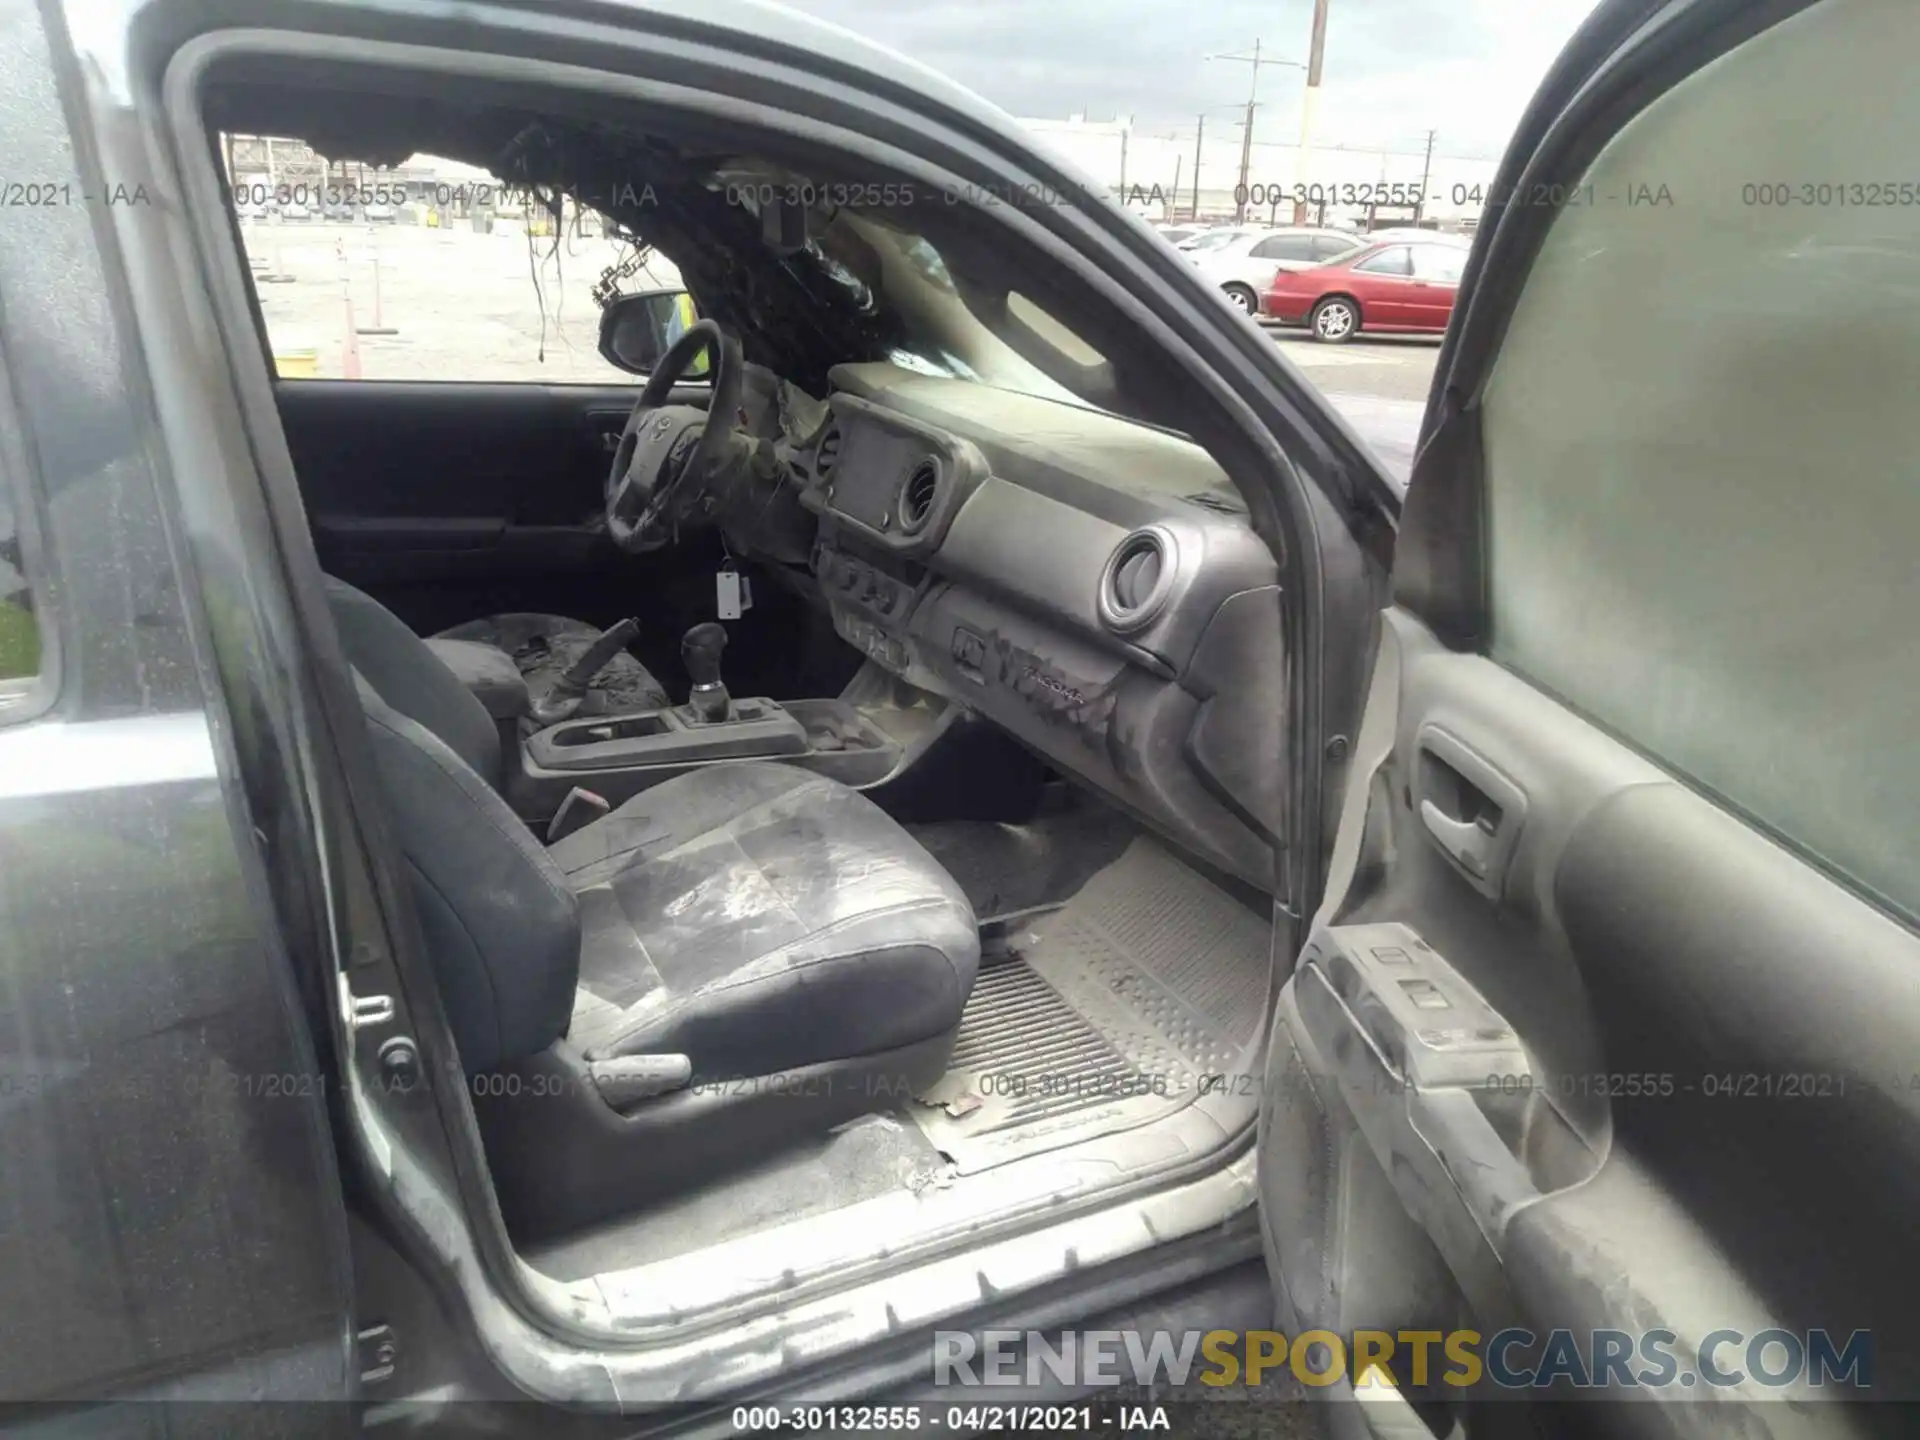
<point>1246,135</point>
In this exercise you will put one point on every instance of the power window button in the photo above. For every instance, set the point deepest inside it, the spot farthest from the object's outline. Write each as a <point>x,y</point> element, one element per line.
<point>969,650</point>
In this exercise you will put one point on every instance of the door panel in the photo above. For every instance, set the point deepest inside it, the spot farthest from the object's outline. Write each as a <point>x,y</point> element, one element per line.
<point>453,500</point>
<point>1432,304</point>
<point>1610,1022</point>
<point>172,1219</point>
<point>1683,1104</point>
<point>1385,300</point>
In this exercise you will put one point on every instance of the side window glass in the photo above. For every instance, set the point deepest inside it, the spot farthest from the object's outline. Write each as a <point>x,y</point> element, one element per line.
<point>1438,263</point>
<point>431,270</point>
<point>1285,247</point>
<point>1327,246</point>
<point>1387,262</point>
<point>1701,529</point>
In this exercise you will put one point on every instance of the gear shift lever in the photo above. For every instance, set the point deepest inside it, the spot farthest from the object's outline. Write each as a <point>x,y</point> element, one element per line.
<point>700,651</point>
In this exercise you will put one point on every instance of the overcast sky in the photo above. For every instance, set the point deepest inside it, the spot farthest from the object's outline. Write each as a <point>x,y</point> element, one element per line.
<point>1394,68</point>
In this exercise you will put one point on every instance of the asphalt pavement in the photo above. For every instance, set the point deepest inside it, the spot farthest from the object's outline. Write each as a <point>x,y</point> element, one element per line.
<point>1391,367</point>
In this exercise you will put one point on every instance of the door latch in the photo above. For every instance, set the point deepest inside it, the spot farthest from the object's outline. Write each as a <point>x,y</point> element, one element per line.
<point>360,1011</point>
<point>379,1354</point>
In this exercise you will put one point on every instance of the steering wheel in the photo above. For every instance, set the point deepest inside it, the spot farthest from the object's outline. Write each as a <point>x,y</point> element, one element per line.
<point>668,454</point>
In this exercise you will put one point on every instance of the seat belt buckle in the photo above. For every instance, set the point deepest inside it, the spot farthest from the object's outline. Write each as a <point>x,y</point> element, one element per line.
<point>581,808</point>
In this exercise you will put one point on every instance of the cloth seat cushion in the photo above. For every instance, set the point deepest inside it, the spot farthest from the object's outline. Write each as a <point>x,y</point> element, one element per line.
<point>758,918</point>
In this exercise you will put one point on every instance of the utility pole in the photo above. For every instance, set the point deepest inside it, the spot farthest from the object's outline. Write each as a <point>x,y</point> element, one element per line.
<point>1173,195</point>
<point>1426,172</point>
<point>1123,161</point>
<point>1309,103</point>
<point>1240,192</point>
<point>1199,134</point>
<point>1246,138</point>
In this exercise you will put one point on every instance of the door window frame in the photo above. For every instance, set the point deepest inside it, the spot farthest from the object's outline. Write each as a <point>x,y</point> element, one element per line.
<point>1369,267</point>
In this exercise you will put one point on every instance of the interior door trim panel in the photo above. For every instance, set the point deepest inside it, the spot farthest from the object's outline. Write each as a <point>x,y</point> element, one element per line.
<point>1698,1109</point>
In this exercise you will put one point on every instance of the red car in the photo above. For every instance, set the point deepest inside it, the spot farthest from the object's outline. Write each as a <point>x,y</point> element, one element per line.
<point>1398,287</point>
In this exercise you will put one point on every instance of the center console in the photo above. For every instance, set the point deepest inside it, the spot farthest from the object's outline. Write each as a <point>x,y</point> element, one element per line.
<point>617,756</point>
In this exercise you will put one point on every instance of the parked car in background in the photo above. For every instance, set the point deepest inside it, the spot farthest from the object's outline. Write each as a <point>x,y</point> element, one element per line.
<point>380,214</point>
<point>1402,287</point>
<point>1406,232</point>
<point>1213,236</point>
<point>1245,265</point>
<point>294,210</point>
<point>1176,234</point>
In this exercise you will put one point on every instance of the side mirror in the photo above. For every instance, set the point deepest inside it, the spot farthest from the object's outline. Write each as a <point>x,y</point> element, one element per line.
<point>636,330</point>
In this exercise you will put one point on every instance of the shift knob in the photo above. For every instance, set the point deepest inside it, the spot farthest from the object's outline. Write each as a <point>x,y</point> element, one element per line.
<point>700,651</point>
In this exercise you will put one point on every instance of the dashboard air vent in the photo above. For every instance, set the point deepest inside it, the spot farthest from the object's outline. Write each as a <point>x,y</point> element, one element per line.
<point>826,454</point>
<point>1138,579</point>
<point>917,494</point>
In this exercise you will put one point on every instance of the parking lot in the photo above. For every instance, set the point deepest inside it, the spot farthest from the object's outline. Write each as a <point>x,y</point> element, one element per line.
<point>407,302</point>
<point>1392,367</point>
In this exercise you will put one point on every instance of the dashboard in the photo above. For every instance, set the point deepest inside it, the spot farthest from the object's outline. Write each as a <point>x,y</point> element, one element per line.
<point>1089,584</point>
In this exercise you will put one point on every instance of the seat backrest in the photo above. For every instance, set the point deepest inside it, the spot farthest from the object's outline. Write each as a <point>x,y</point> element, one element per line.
<point>502,927</point>
<point>405,672</point>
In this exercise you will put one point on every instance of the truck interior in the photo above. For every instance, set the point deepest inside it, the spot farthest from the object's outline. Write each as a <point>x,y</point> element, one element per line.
<point>933,894</point>
<point>711,1024</point>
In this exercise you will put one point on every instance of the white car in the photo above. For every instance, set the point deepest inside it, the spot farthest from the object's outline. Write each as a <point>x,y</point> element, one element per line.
<point>1177,235</point>
<point>1415,232</point>
<point>1213,237</point>
<point>1245,263</point>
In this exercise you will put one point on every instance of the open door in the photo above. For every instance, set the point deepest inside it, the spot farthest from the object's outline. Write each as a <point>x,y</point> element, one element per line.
<point>1606,1036</point>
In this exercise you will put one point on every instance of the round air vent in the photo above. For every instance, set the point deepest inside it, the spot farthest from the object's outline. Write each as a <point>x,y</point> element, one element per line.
<point>826,454</point>
<point>917,494</point>
<point>1138,579</point>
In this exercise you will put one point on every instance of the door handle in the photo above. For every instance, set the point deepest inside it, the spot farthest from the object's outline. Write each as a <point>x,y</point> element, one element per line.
<point>1468,841</point>
<point>1470,809</point>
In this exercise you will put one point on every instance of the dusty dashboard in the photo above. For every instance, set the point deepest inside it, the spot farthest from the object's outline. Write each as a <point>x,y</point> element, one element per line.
<point>1084,582</point>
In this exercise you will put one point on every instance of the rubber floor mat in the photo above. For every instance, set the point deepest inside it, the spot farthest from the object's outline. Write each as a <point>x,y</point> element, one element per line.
<point>1008,869</point>
<point>1105,1015</point>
